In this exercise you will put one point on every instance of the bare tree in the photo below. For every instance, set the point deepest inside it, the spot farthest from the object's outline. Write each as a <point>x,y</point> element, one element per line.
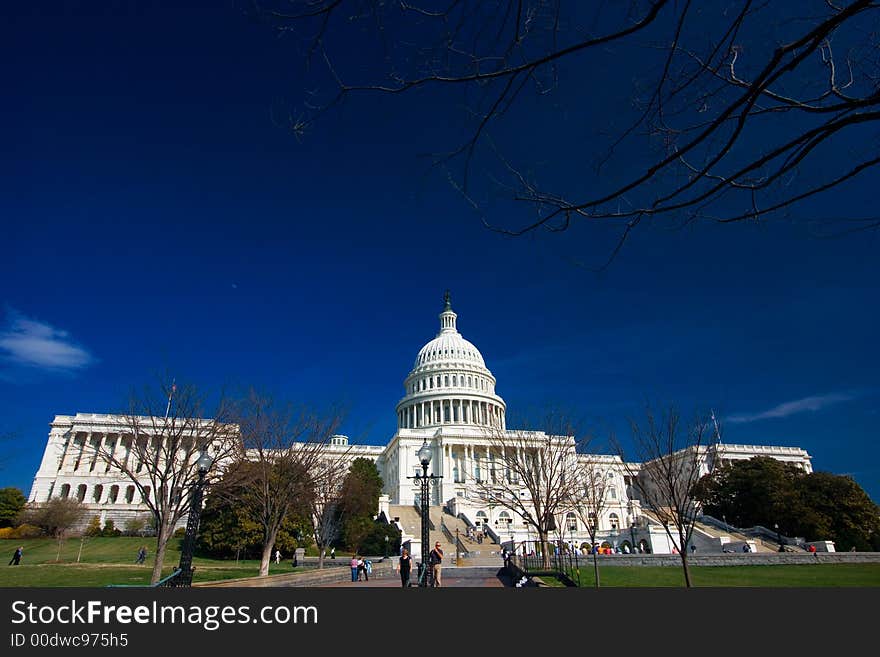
<point>325,505</point>
<point>591,500</point>
<point>531,473</point>
<point>57,517</point>
<point>162,436</point>
<point>724,112</point>
<point>283,462</point>
<point>670,459</point>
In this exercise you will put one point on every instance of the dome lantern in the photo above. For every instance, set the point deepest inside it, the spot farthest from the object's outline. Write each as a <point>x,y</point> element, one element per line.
<point>448,316</point>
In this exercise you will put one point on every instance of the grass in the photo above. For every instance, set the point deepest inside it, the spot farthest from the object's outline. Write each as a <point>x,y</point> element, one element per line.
<point>808,575</point>
<point>104,561</point>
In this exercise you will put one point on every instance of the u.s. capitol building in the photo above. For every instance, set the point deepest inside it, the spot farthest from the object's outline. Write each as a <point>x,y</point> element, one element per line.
<point>451,404</point>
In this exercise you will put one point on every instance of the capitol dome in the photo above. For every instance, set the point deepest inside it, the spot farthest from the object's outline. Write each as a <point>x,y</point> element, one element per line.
<point>450,383</point>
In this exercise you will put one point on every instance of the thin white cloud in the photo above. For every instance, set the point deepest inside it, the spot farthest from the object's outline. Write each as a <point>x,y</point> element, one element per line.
<point>813,403</point>
<point>34,343</point>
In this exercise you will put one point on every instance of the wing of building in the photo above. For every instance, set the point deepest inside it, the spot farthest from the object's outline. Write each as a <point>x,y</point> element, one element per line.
<point>450,404</point>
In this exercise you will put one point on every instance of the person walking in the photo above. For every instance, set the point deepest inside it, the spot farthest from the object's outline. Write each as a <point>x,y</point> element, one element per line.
<point>142,554</point>
<point>404,567</point>
<point>354,568</point>
<point>277,556</point>
<point>435,559</point>
<point>360,567</point>
<point>368,569</point>
<point>16,556</point>
<point>333,553</point>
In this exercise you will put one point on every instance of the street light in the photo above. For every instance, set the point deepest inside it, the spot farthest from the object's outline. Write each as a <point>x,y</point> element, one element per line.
<point>778,536</point>
<point>184,578</point>
<point>424,455</point>
<point>632,535</point>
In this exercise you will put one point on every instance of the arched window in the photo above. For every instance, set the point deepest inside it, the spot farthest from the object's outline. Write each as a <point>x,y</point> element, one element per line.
<point>446,380</point>
<point>504,519</point>
<point>482,519</point>
<point>612,492</point>
<point>470,383</point>
<point>591,519</point>
<point>614,520</point>
<point>114,494</point>
<point>571,521</point>
<point>145,496</point>
<point>432,381</point>
<point>65,491</point>
<point>97,491</point>
<point>81,492</point>
<point>454,380</point>
<point>129,494</point>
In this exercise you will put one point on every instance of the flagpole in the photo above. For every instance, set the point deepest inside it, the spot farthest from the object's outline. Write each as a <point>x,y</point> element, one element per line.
<point>170,395</point>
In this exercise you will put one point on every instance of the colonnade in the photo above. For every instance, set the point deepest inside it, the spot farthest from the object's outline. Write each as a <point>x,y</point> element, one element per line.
<point>438,412</point>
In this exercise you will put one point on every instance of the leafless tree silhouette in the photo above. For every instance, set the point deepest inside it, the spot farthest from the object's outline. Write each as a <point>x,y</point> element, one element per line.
<point>723,112</point>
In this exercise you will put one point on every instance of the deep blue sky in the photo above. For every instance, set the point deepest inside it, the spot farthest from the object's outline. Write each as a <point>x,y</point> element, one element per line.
<point>156,218</point>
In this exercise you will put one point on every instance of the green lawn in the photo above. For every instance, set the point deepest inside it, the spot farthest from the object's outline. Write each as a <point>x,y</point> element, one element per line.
<point>104,561</point>
<point>808,575</point>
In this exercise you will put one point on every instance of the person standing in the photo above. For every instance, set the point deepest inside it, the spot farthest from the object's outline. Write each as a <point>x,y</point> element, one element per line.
<point>354,568</point>
<point>16,556</point>
<point>404,567</point>
<point>435,559</point>
<point>277,556</point>
<point>142,554</point>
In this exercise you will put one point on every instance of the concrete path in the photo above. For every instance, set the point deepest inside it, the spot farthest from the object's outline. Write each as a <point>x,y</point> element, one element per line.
<point>480,577</point>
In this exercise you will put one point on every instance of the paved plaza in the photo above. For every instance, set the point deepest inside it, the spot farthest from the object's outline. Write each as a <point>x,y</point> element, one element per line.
<point>476,577</point>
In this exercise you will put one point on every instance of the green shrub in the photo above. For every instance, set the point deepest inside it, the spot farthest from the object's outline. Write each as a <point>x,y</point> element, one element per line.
<point>110,529</point>
<point>94,528</point>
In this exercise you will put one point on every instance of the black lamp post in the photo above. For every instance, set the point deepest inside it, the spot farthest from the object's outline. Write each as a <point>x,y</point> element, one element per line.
<point>778,536</point>
<point>386,546</point>
<point>425,480</point>
<point>632,536</point>
<point>192,523</point>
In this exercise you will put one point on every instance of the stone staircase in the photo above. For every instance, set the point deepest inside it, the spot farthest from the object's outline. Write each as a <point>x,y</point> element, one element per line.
<point>483,554</point>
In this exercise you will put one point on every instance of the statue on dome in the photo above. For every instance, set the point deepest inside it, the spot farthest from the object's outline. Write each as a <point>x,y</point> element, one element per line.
<point>447,300</point>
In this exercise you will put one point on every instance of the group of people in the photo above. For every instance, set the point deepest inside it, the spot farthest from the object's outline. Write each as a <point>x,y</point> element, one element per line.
<point>475,534</point>
<point>360,566</point>
<point>435,563</point>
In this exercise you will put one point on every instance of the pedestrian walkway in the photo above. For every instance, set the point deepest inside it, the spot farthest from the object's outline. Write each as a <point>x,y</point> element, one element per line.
<point>480,577</point>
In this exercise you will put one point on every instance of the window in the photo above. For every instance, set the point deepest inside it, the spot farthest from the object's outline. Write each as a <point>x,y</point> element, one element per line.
<point>97,491</point>
<point>571,521</point>
<point>65,491</point>
<point>129,494</point>
<point>612,492</point>
<point>614,520</point>
<point>81,492</point>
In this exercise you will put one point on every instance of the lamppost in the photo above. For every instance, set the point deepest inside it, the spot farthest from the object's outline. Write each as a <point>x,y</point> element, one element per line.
<point>778,536</point>
<point>386,546</point>
<point>425,480</point>
<point>632,536</point>
<point>192,523</point>
<point>613,536</point>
